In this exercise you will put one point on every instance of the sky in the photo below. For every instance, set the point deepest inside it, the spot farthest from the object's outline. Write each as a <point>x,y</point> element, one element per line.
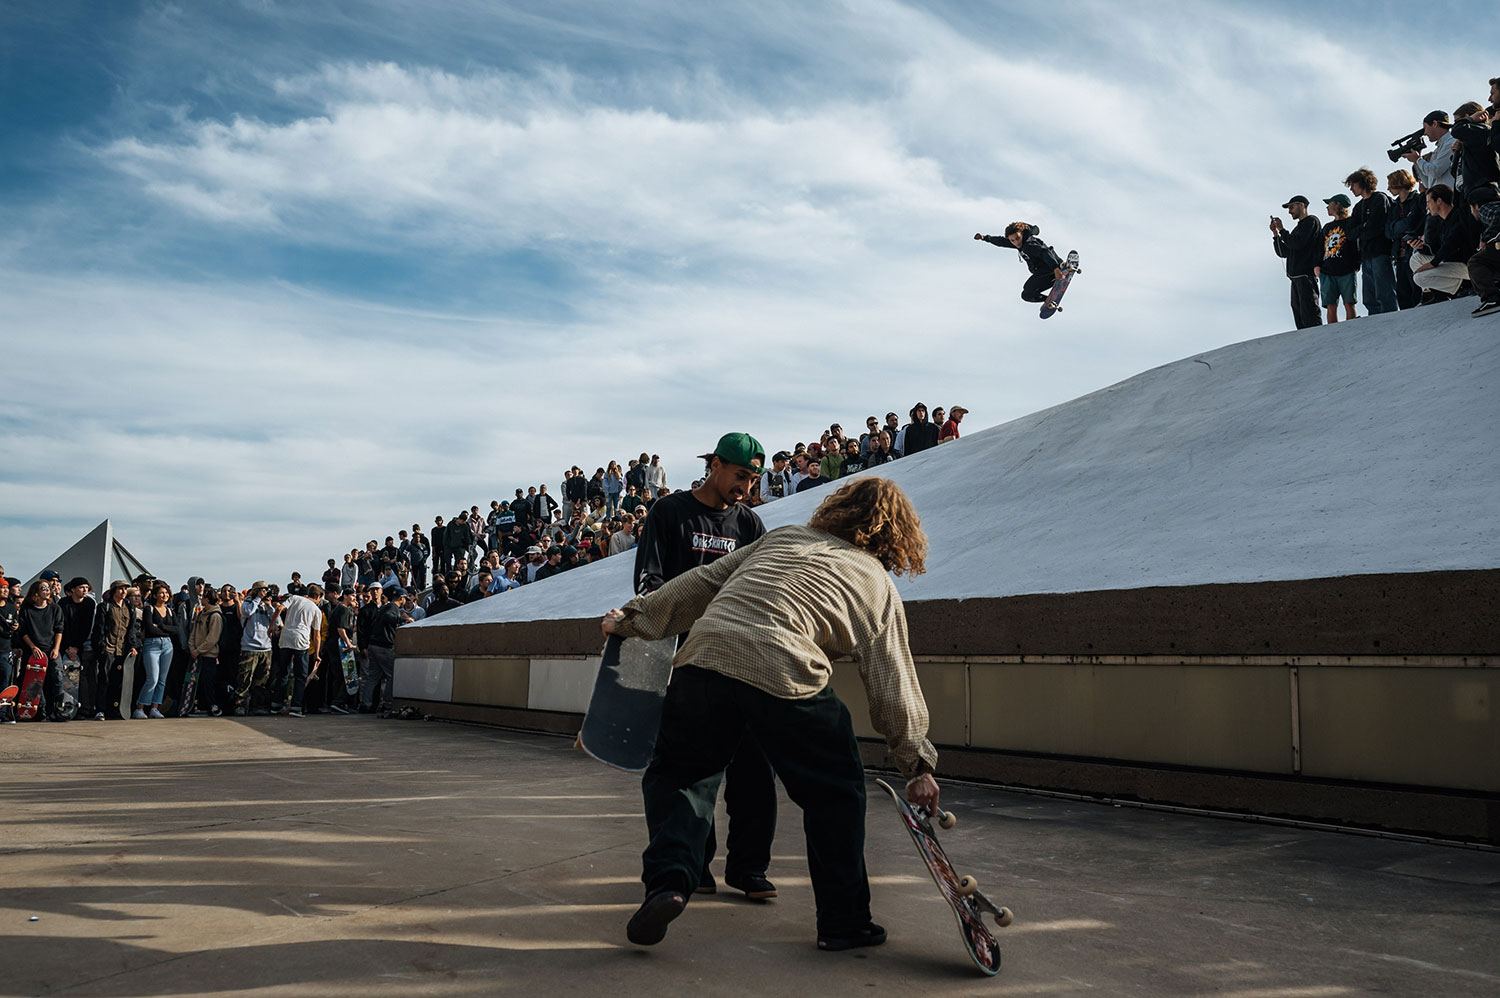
<point>280,278</point>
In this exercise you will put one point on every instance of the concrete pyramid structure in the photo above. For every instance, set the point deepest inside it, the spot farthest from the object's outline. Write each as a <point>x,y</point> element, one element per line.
<point>97,556</point>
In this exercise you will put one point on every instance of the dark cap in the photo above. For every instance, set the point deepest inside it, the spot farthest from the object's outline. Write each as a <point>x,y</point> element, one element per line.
<point>781,455</point>
<point>49,575</point>
<point>740,449</point>
<point>1296,199</point>
<point>1437,118</point>
<point>1482,194</point>
<point>75,583</point>
<point>1342,199</point>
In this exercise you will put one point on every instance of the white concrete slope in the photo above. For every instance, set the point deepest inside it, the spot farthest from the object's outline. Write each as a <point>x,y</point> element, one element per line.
<point>1365,447</point>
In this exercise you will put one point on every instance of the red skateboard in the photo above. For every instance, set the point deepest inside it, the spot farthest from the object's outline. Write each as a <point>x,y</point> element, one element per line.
<point>31,687</point>
<point>1054,297</point>
<point>962,893</point>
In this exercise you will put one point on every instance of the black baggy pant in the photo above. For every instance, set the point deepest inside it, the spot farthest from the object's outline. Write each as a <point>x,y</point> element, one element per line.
<point>93,683</point>
<point>811,745</point>
<point>1036,287</point>
<point>750,798</point>
<point>1305,309</point>
<point>1484,269</point>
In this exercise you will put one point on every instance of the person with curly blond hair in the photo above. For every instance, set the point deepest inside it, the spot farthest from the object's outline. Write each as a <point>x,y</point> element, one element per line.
<point>764,625</point>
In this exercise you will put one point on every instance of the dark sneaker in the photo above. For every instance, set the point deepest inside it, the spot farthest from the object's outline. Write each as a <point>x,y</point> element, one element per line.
<point>755,885</point>
<point>214,711</point>
<point>707,884</point>
<point>260,712</point>
<point>648,926</point>
<point>338,708</point>
<point>1486,307</point>
<point>870,935</point>
<point>240,712</point>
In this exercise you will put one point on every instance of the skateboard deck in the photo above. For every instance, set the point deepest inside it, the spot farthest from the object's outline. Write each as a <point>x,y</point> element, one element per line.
<point>625,709</point>
<point>962,893</point>
<point>8,699</point>
<point>350,665</point>
<point>126,680</point>
<point>1054,297</point>
<point>30,697</point>
<point>188,701</point>
<point>69,671</point>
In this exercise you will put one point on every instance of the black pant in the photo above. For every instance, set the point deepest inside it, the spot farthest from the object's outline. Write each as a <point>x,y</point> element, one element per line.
<point>204,695</point>
<point>291,679</point>
<point>419,575</point>
<point>1305,309</point>
<point>93,683</point>
<point>811,745</point>
<point>750,798</point>
<point>1484,268</point>
<point>1036,287</point>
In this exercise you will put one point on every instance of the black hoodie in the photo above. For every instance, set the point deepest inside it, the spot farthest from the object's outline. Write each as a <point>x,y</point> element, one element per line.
<point>1037,255</point>
<point>920,434</point>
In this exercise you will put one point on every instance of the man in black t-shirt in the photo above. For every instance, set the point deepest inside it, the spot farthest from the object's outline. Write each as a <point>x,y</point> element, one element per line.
<point>684,530</point>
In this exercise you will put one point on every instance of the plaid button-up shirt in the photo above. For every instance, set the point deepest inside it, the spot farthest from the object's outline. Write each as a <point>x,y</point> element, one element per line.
<point>776,612</point>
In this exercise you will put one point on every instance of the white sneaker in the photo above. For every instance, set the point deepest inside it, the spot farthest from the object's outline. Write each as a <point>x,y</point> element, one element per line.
<point>155,713</point>
<point>138,715</point>
<point>99,716</point>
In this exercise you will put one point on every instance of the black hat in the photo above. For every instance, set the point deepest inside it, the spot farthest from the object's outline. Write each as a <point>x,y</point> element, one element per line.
<point>1481,194</point>
<point>75,583</point>
<point>781,455</point>
<point>1296,199</point>
<point>1437,118</point>
<point>49,575</point>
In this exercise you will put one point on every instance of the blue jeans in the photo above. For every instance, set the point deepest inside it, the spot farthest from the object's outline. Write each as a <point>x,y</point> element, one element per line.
<point>156,658</point>
<point>1379,279</point>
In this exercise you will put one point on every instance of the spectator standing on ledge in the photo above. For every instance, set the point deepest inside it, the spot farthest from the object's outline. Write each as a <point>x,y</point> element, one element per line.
<point>656,476</point>
<point>919,434</point>
<point>950,428</point>
<point>1302,249</point>
<point>777,483</point>
<point>1336,278</point>
<point>1376,274</point>
<point>1435,167</point>
<point>1405,220</point>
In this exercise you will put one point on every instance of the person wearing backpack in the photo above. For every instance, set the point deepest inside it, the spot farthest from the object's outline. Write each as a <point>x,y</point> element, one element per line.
<point>1376,269</point>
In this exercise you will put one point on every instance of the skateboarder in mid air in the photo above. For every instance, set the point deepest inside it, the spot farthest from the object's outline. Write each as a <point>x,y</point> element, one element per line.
<point>766,622</point>
<point>1042,260</point>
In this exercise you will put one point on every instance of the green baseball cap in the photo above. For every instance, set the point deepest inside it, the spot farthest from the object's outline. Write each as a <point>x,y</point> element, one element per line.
<point>739,448</point>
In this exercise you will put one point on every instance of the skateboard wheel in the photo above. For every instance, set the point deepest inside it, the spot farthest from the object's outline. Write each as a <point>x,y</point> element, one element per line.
<point>1005,917</point>
<point>967,886</point>
<point>947,819</point>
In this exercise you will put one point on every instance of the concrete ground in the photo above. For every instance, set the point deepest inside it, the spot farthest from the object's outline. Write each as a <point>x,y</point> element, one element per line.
<point>353,856</point>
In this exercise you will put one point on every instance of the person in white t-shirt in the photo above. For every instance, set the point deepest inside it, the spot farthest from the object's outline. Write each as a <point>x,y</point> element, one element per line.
<point>301,635</point>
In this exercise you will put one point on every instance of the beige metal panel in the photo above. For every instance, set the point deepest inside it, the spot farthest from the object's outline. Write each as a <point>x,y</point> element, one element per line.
<point>1221,717</point>
<point>1428,727</point>
<point>492,682</point>
<point>945,688</point>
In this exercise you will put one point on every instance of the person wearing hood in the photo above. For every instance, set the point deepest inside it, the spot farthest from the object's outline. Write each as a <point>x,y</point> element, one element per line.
<point>1040,259</point>
<point>920,434</point>
<point>203,651</point>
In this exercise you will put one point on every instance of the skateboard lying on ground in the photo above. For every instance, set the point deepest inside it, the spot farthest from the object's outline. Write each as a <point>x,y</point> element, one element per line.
<point>1054,297</point>
<point>625,710</point>
<point>962,893</point>
<point>31,687</point>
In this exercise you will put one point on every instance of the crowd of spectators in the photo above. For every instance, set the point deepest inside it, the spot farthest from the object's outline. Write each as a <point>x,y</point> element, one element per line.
<point>1434,237</point>
<point>329,645</point>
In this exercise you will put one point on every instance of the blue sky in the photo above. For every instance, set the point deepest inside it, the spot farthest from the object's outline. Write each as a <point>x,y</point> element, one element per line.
<point>280,278</point>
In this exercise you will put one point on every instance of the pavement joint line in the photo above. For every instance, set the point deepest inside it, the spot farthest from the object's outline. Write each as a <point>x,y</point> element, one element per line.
<point>1242,816</point>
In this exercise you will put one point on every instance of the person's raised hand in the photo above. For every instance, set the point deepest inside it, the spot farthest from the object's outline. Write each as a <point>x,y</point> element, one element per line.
<point>978,236</point>
<point>607,624</point>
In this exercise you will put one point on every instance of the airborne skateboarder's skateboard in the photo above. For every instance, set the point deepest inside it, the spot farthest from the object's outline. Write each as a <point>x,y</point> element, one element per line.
<point>625,710</point>
<point>1054,297</point>
<point>962,893</point>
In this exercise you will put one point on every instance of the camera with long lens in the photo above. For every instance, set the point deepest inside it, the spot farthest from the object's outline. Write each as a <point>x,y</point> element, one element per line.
<point>1405,144</point>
